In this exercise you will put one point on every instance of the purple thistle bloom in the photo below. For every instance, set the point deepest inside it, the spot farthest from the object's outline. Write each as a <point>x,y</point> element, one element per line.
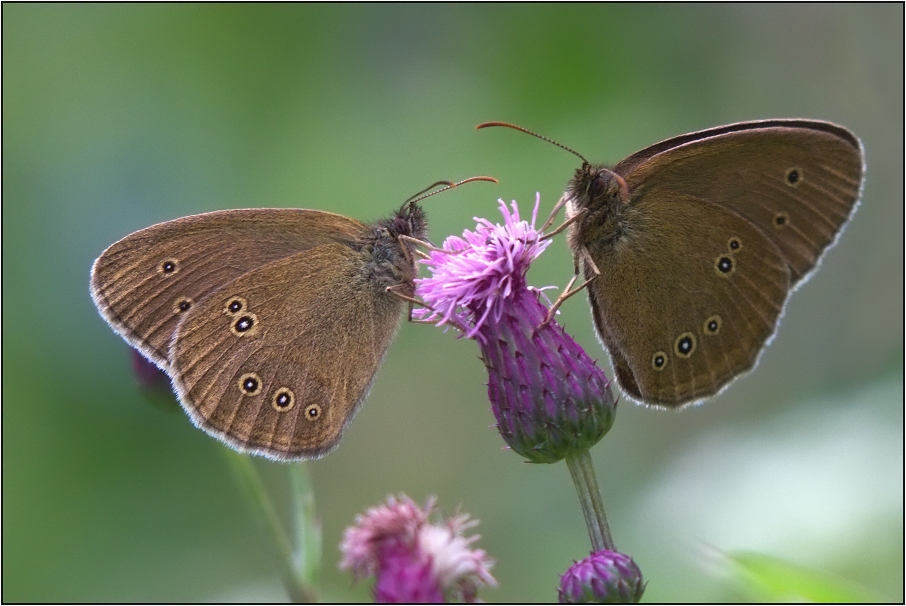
<point>148,375</point>
<point>414,560</point>
<point>405,576</point>
<point>549,397</point>
<point>604,577</point>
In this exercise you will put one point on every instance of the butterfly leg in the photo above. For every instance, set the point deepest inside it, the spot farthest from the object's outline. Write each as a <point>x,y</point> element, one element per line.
<point>569,290</point>
<point>417,243</point>
<point>566,294</point>
<point>412,301</point>
<point>565,224</point>
<point>590,263</point>
<point>425,244</point>
<point>550,220</point>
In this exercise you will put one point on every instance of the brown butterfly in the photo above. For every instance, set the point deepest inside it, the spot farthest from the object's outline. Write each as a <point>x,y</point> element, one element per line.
<point>270,322</point>
<point>691,247</point>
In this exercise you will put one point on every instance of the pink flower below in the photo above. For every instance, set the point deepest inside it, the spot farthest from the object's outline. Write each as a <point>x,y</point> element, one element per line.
<point>414,559</point>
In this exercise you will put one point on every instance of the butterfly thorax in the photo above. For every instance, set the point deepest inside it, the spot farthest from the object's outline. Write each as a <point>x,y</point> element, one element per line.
<point>602,196</point>
<point>389,260</point>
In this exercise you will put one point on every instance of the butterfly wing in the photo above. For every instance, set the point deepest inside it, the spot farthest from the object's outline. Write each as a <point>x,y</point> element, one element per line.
<point>277,361</point>
<point>686,299</point>
<point>796,180</point>
<point>144,283</point>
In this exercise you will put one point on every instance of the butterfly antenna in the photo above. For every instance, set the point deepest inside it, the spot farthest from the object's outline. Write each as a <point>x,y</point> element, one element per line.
<point>534,134</point>
<point>430,191</point>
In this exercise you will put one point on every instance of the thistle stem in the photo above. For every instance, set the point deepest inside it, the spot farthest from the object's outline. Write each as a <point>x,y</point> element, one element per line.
<point>307,528</point>
<point>583,474</point>
<point>298,584</point>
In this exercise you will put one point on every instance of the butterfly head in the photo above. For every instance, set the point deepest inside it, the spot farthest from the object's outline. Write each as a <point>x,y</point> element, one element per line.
<point>410,220</point>
<point>595,187</point>
<point>389,258</point>
<point>602,196</point>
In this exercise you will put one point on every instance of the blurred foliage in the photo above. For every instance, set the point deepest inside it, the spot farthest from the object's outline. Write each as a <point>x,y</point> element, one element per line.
<point>773,580</point>
<point>119,116</point>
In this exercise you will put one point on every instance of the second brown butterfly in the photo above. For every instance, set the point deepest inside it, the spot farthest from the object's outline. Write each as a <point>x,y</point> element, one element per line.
<point>692,246</point>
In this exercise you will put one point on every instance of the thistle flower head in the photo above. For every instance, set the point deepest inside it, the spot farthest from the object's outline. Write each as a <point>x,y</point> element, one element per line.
<point>148,375</point>
<point>487,266</point>
<point>604,577</point>
<point>549,397</point>
<point>414,559</point>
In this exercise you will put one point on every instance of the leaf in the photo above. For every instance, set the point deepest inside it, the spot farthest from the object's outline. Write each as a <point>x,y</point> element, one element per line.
<point>776,580</point>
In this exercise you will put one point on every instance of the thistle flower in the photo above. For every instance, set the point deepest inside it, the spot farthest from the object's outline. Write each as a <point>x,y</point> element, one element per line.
<point>549,398</point>
<point>604,577</point>
<point>414,559</point>
<point>154,383</point>
<point>148,375</point>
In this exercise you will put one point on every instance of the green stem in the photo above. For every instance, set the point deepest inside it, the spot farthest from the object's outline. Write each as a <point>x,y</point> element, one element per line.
<point>583,474</point>
<point>294,578</point>
<point>307,528</point>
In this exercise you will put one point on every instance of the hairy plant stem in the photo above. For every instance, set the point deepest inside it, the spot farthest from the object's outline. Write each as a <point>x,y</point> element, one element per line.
<point>583,474</point>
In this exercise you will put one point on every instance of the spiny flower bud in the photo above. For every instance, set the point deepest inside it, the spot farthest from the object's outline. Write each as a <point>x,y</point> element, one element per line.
<point>604,577</point>
<point>549,397</point>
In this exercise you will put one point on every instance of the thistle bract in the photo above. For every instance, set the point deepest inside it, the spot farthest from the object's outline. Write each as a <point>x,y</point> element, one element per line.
<point>549,397</point>
<point>604,577</point>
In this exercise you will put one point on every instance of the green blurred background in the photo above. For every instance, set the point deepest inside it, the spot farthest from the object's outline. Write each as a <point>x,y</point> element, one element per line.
<point>118,117</point>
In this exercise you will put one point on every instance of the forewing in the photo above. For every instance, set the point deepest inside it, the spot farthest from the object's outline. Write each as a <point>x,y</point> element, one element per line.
<point>145,282</point>
<point>796,180</point>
